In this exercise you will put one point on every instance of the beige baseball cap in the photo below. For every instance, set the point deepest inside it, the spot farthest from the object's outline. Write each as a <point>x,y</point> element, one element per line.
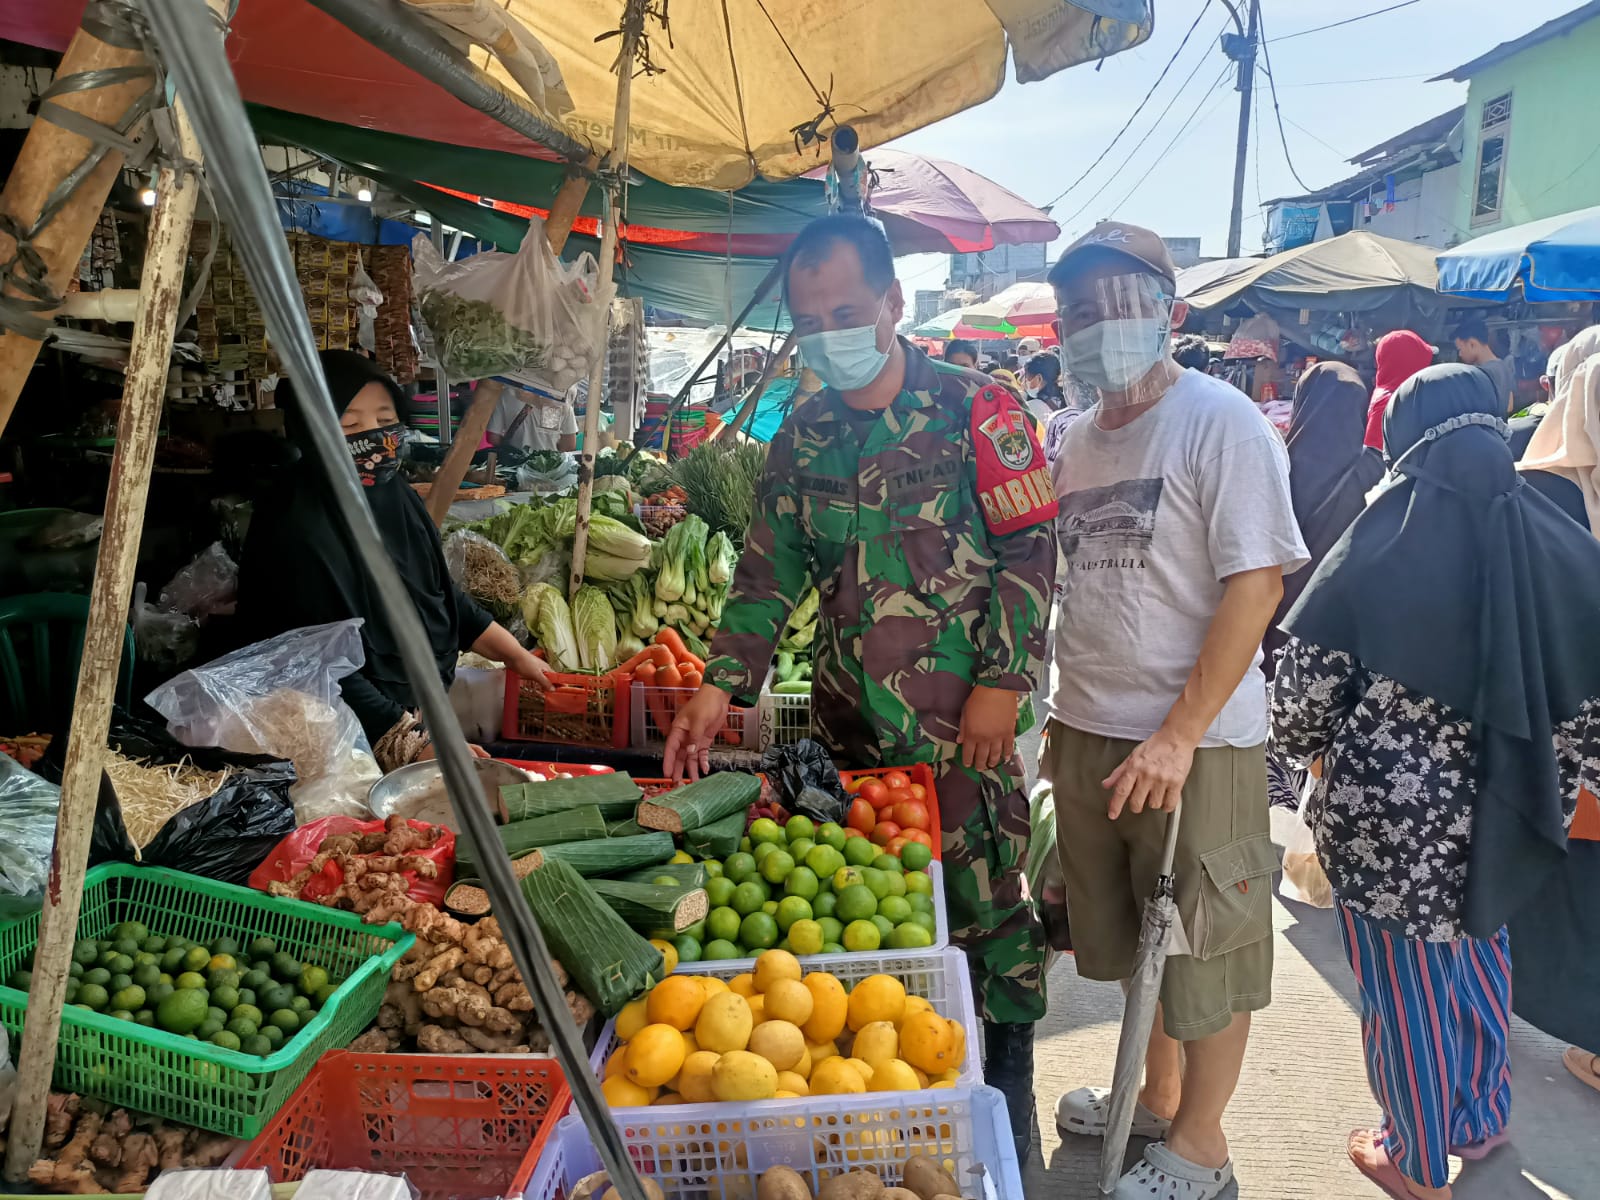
<point>1144,251</point>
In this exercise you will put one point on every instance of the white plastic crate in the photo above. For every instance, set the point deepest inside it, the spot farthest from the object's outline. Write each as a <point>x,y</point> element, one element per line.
<point>740,731</point>
<point>938,976</point>
<point>784,719</point>
<point>966,1129</point>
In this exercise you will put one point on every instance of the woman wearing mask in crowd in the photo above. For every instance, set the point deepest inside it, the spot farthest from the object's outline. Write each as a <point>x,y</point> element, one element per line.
<point>1443,664</point>
<point>1041,380</point>
<point>1400,355</point>
<point>299,566</point>
<point>1561,457</point>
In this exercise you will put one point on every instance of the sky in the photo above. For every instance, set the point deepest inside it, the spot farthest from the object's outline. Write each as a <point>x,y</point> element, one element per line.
<point>1340,91</point>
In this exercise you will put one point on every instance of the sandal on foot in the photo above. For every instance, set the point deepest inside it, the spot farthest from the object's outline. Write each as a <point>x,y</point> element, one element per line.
<point>1584,1066</point>
<point>1386,1175</point>
<point>1474,1151</point>
<point>1084,1111</point>
<point>1163,1175</point>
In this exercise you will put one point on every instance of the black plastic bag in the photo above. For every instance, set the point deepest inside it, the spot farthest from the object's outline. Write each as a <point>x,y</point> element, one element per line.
<point>807,780</point>
<point>224,837</point>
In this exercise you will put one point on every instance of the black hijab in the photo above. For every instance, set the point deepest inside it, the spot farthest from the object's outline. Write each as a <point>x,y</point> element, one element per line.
<point>1331,471</point>
<point>300,566</point>
<point>1464,584</point>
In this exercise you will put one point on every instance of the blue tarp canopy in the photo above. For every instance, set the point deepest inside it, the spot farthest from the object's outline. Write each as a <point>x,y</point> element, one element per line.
<point>1557,258</point>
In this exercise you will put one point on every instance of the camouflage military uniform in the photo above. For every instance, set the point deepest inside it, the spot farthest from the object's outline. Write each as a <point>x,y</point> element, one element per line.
<point>919,601</point>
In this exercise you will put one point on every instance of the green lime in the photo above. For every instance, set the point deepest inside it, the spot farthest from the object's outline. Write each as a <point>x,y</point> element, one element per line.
<point>225,977</point>
<point>861,935</point>
<point>131,997</point>
<point>713,868</point>
<point>823,861</point>
<point>127,946</point>
<point>190,980</point>
<point>196,958</point>
<point>739,867</point>
<point>762,886</point>
<point>224,945</point>
<point>719,891</point>
<point>301,1005</point>
<point>926,920</point>
<point>758,931</point>
<point>832,835</point>
<point>242,1028</point>
<point>764,829</point>
<point>895,908</point>
<point>763,849</point>
<point>120,1014</point>
<point>99,976</point>
<point>832,929</point>
<point>799,826</point>
<point>859,852</point>
<point>856,903</point>
<point>670,881</point>
<point>142,958</point>
<point>919,883</point>
<point>276,996</point>
<point>21,980</point>
<point>916,856</point>
<point>897,883</point>
<point>145,1017</point>
<point>172,959</point>
<point>802,882</point>
<point>132,930</point>
<point>262,947</point>
<point>155,995</point>
<point>910,936</point>
<point>75,969</point>
<point>92,995</point>
<point>723,923</point>
<point>800,847</point>
<point>747,898</point>
<point>919,903</point>
<point>887,862</point>
<point>255,979</point>
<point>247,996</point>
<point>847,877</point>
<point>85,952</point>
<point>325,993</point>
<point>823,903</point>
<point>688,949</point>
<point>770,907</point>
<point>285,1019</point>
<point>209,1026</point>
<point>720,948</point>
<point>182,1012</point>
<point>877,881</point>
<point>257,1045</point>
<point>226,998</point>
<point>147,975</point>
<point>285,967</point>
<point>832,948</point>
<point>120,964</point>
<point>248,1012</point>
<point>273,1034</point>
<point>118,982</point>
<point>226,1040</point>
<point>153,945</point>
<point>312,978</point>
<point>790,910</point>
<point>885,926</point>
<point>805,937</point>
<point>745,843</point>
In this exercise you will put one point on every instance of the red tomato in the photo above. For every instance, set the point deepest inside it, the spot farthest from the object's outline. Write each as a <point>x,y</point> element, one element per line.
<point>896,779</point>
<point>899,795</point>
<point>911,815</point>
<point>873,792</point>
<point>918,792</point>
<point>886,813</point>
<point>862,816</point>
<point>885,833</point>
<point>852,784</point>
<point>919,835</point>
<point>850,833</point>
<point>896,845</point>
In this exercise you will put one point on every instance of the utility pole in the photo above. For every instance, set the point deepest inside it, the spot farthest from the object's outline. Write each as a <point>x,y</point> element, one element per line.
<point>1241,48</point>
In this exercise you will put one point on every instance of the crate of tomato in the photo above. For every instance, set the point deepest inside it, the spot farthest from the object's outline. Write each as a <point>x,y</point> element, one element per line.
<point>894,805</point>
<point>665,674</point>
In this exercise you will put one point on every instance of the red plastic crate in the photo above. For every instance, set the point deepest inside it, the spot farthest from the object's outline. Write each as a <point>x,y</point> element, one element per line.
<point>599,717</point>
<point>459,1127</point>
<point>653,709</point>
<point>920,773</point>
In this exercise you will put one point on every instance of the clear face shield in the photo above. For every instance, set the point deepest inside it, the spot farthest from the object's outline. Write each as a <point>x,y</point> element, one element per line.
<point>1115,331</point>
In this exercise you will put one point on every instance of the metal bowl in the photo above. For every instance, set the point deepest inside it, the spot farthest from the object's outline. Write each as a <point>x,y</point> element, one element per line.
<point>416,791</point>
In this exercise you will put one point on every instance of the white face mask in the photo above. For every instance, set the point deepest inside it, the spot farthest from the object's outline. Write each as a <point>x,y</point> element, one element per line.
<point>847,360</point>
<point>1114,355</point>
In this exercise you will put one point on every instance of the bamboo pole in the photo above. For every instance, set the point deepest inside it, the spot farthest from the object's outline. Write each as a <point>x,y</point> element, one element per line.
<point>103,636</point>
<point>564,210</point>
<point>48,155</point>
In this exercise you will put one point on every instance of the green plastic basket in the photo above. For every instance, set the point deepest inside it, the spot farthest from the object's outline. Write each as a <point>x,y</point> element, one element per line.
<point>152,1071</point>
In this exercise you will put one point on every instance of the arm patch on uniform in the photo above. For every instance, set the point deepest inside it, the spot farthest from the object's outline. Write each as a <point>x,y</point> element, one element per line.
<point>1014,485</point>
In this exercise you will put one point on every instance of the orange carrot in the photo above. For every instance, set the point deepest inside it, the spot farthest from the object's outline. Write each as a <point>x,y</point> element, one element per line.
<point>645,673</point>
<point>691,677</point>
<point>660,655</point>
<point>668,637</point>
<point>635,662</point>
<point>669,676</point>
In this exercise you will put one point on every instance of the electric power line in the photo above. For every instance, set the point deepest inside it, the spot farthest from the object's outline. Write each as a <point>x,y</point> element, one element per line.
<point>1135,115</point>
<point>1377,12</point>
<point>1182,129</point>
<point>1346,82</point>
<point>1283,138</point>
<point>1342,155</point>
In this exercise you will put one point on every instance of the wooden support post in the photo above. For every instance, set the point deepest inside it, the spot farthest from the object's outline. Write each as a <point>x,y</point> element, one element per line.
<point>447,479</point>
<point>145,387</point>
<point>48,154</point>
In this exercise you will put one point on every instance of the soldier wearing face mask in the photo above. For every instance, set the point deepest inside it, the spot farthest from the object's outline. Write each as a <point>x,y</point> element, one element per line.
<point>914,495</point>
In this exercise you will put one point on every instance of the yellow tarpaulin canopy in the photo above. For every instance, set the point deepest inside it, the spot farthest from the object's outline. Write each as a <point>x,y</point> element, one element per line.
<point>738,77</point>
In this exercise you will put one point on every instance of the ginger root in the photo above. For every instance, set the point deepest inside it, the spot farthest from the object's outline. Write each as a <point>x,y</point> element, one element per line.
<point>169,1143</point>
<point>107,1147</point>
<point>208,1149</point>
<point>445,961</point>
<point>61,1113</point>
<point>435,1039</point>
<point>139,1156</point>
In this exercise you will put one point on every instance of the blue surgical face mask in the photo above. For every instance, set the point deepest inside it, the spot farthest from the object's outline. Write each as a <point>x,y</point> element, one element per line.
<point>847,360</point>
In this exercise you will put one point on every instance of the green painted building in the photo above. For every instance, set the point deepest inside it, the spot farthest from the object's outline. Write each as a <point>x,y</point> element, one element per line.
<point>1530,147</point>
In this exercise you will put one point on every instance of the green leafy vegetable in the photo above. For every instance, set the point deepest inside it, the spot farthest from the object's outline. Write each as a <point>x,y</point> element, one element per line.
<point>473,340</point>
<point>596,629</point>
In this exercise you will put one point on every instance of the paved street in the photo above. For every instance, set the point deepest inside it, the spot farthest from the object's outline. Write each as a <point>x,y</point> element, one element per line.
<point>1304,1089</point>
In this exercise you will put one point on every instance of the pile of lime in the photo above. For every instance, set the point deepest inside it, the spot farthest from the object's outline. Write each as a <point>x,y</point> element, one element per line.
<point>813,889</point>
<point>248,996</point>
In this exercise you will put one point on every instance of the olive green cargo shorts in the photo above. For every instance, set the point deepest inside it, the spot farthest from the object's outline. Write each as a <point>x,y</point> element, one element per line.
<point>1223,876</point>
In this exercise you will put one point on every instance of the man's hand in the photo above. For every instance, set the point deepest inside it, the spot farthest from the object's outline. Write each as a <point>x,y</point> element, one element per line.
<point>428,753</point>
<point>530,666</point>
<point>1152,776</point>
<point>988,728</point>
<point>694,730</point>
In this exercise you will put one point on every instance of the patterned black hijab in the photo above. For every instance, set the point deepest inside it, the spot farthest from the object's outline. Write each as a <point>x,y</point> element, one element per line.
<point>1466,585</point>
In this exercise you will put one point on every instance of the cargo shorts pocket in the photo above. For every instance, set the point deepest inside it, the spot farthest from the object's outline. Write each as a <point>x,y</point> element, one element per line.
<point>1235,907</point>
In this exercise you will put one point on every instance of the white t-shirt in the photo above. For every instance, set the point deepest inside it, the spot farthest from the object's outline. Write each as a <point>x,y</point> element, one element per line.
<point>545,426</point>
<point>1154,516</point>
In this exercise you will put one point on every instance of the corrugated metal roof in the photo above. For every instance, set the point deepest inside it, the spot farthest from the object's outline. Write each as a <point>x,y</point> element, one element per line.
<point>1559,27</point>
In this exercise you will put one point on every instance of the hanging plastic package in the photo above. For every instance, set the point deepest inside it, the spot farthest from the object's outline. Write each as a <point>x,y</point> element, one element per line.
<point>528,317</point>
<point>28,804</point>
<point>807,781</point>
<point>281,697</point>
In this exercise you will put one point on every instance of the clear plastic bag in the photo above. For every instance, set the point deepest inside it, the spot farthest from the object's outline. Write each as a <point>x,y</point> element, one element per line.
<point>531,479</point>
<point>1304,880</point>
<point>28,807</point>
<point>364,292</point>
<point>528,316</point>
<point>161,637</point>
<point>207,587</point>
<point>482,570</point>
<point>281,697</point>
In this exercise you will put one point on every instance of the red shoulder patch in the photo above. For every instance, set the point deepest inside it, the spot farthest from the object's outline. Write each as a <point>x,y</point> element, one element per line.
<point>1014,485</point>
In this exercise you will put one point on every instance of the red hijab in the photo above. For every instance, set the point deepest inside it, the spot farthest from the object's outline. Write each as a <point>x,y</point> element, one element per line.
<point>1401,355</point>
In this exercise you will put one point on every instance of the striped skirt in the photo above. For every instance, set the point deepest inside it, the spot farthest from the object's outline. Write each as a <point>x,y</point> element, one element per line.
<point>1435,1027</point>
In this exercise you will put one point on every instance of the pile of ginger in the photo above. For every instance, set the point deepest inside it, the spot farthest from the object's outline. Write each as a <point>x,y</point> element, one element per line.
<point>91,1148</point>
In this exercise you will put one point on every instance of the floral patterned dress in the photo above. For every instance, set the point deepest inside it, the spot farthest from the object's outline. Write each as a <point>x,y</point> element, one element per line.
<point>1392,813</point>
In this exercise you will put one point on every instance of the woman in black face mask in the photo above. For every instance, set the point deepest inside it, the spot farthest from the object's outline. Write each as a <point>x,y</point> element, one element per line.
<point>300,567</point>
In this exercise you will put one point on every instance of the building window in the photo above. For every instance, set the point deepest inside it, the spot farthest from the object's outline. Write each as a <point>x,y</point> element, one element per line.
<point>1494,139</point>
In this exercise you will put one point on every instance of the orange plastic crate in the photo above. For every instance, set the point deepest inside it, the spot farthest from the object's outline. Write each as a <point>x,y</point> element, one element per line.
<point>920,773</point>
<point>597,715</point>
<point>459,1127</point>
